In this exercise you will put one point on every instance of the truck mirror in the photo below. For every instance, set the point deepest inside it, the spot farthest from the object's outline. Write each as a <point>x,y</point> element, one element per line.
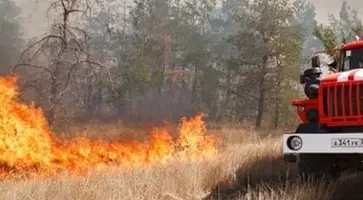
<point>315,61</point>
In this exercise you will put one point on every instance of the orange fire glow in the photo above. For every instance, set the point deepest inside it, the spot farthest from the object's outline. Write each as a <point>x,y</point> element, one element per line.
<point>28,146</point>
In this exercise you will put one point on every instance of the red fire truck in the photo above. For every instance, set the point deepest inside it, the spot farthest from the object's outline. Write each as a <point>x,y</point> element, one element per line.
<point>329,138</point>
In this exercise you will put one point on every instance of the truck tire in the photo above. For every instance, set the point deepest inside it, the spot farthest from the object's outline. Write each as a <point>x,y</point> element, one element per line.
<point>314,169</point>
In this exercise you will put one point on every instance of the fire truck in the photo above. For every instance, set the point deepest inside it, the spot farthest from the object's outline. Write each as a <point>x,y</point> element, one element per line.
<point>329,138</point>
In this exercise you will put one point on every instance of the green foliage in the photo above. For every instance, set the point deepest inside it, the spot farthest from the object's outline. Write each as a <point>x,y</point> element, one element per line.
<point>138,75</point>
<point>327,36</point>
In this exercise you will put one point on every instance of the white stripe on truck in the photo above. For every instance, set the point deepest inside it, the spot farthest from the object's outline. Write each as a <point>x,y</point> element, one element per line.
<point>358,76</point>
<point>343,76</point>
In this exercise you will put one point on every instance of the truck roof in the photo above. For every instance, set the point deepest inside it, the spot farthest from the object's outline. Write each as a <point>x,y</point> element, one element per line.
<point>352,45</point>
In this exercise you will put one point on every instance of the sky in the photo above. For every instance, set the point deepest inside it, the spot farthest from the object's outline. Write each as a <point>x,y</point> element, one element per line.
<point>34,12</point>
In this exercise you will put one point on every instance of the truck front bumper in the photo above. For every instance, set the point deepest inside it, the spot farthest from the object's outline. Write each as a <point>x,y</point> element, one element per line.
<point>327,143</point>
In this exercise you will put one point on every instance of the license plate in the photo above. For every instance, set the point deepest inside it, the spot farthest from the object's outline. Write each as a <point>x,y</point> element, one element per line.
<point>347,142</point>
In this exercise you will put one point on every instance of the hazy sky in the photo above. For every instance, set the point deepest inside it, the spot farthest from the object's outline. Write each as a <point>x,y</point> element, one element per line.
<point>323,7</point>
<point>37,23</point>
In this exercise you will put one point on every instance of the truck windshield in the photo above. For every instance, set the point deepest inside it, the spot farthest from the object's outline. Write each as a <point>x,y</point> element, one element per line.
<point>354,59</point>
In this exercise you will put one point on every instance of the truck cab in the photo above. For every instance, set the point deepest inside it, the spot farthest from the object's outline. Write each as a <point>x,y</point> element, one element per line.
<point>334,101</point>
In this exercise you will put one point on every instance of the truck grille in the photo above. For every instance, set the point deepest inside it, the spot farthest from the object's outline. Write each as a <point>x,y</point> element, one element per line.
<point>343,101</point>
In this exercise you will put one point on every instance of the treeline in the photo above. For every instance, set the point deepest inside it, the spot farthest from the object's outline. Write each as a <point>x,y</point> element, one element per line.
<point>235,60</point>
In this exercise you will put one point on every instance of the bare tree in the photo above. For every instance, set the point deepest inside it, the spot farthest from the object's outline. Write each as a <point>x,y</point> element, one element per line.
<point>53,60</point>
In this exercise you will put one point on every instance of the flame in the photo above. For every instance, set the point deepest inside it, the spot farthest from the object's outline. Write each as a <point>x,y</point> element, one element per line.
<point>28,146</point>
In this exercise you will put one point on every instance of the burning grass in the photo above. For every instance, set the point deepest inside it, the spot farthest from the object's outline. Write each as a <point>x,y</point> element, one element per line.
<point>250,167</point>
<point>191,180</point>
<point>28,146</point>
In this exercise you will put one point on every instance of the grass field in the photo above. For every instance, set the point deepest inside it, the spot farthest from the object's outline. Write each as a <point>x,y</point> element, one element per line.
<point>249,166</point>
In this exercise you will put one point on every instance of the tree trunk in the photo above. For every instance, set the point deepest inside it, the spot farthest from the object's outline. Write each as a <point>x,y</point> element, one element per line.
<point>53,101</point>
<point>277,112</point>
<point>194,86</point>
<point>227,96</point>
<point>277,102</point>
<point>261,106</point>
<point>183,86</point>
<point>261,99</point>
<point>228,91</point>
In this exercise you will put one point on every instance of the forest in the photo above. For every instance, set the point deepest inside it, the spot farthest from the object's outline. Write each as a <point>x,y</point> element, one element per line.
<point>234,60</point>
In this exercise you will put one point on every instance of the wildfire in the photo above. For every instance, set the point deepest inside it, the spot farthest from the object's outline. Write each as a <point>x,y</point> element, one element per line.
<point>28,146</point>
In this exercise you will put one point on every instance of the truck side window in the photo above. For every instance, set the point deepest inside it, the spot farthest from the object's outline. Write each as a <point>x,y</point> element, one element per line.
<point>356,59</point>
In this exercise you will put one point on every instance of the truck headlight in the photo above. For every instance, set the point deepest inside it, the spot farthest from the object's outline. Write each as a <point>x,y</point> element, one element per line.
<point>294,143</point>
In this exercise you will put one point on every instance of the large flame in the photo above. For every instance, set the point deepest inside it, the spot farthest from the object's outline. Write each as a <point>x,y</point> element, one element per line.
<point>27,145</point>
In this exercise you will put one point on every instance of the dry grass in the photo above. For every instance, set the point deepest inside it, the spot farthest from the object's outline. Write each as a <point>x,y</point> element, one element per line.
<point>250,167</point>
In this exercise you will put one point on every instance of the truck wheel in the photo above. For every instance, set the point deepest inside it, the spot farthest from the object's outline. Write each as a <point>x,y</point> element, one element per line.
<point>315,167</point>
